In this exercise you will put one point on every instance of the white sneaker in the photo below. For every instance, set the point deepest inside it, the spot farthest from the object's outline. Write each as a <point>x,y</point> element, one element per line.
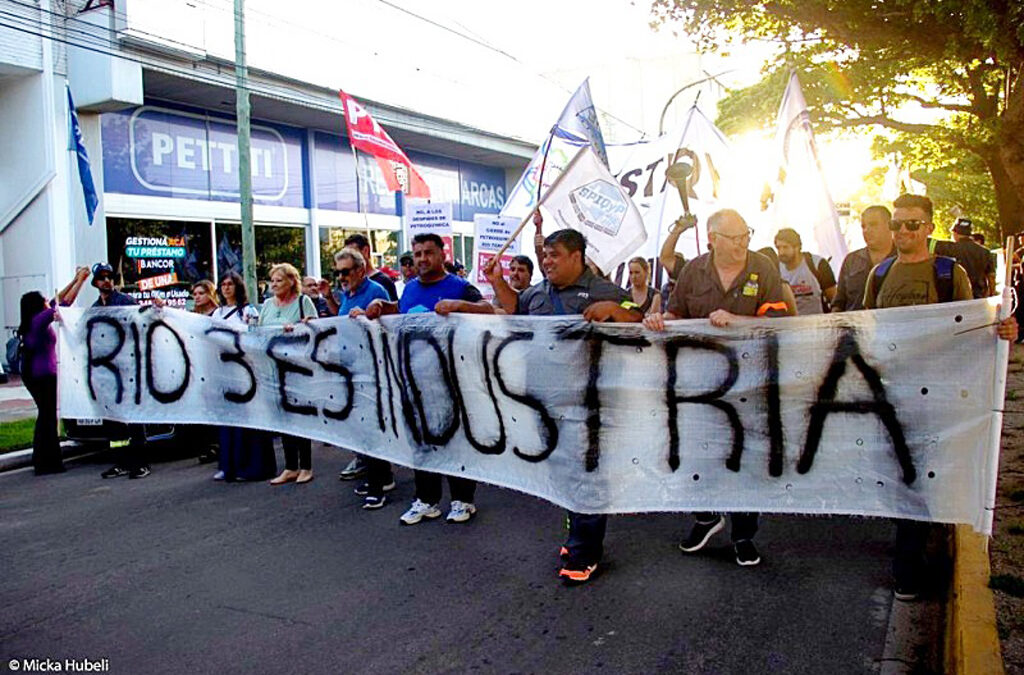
<point>460,512</point>
<point>418,511</point>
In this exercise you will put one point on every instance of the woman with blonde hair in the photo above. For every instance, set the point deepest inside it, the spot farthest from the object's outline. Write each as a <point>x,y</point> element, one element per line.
<point>204,295</point>
<point>642,292</point>
<point>287,306</point>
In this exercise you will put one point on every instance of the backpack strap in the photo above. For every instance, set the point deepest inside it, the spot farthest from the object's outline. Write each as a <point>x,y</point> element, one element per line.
<point>944,277</point>
<point>878,278</point>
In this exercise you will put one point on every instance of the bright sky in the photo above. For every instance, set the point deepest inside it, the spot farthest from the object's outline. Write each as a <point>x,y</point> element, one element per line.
<point>503,67</point>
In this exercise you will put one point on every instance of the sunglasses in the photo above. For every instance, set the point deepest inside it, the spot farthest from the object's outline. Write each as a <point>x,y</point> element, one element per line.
<point>911,225</point>
<point>343,273</point>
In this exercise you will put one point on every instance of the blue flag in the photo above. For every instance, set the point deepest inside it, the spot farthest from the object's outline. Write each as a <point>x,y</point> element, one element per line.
<point>84,170</point>
<point>578,122</point>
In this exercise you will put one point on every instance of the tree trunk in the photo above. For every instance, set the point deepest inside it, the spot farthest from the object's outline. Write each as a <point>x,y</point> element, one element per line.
<point>1007,164</point>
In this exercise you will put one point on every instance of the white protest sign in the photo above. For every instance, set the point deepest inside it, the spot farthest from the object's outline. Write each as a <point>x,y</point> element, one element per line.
<point>888,413</point>
<point>426,217</point>
<point>489,234</point>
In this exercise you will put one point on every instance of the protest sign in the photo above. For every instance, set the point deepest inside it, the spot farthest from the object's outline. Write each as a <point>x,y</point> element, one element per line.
<point>426,217</point>
<point>889,413</point>
<point>489,234</point>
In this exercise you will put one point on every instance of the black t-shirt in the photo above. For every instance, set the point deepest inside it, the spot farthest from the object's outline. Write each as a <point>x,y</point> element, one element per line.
<point>977,262</point>
<point>539,299</point>
<point>385,281</point>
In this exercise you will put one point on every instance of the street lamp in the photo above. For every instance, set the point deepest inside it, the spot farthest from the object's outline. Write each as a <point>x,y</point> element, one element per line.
<point>709,78</point>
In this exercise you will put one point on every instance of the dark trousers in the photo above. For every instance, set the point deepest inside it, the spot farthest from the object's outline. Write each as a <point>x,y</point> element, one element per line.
<point>428,488</point>
<point>586,537</point>
<point>908,565</point>
<point>133,455</point>
<point>46,455</point>
<point>744,525</point>
<point>298,453</point>
<point>378,474</point>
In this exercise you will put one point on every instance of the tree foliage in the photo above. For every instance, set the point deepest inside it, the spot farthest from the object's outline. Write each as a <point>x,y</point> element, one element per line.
<point>945,76</point>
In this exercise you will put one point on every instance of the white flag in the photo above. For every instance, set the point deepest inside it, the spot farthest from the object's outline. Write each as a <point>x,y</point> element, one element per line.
<point>576,127</point>
<point>587,198</point>
<point>800,198</point>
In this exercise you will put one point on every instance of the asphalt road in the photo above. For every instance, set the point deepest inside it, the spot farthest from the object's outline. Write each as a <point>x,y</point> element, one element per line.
<point>178,574</point>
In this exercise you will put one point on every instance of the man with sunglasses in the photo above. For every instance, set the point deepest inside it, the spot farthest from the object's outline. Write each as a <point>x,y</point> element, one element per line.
<point>916,278</point>
<point>728,282</point>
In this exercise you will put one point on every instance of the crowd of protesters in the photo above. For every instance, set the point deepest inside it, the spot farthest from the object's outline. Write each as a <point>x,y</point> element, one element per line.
<point>901,264</point>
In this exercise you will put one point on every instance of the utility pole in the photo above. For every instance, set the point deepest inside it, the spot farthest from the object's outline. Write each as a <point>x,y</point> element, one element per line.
<point>244,169</point>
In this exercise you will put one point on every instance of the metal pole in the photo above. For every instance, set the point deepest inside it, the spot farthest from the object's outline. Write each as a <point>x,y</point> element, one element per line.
<point>244,168</point>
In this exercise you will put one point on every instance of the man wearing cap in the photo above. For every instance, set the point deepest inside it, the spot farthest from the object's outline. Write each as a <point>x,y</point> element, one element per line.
<point>570,287</point>
<point>129,461</point>
<point>976,260</point>
<point>729,282</point>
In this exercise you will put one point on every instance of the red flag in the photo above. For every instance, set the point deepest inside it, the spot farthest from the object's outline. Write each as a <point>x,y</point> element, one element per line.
<point>365,134</point>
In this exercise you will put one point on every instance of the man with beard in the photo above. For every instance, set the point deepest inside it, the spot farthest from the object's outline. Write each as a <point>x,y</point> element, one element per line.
<point>807,274</point>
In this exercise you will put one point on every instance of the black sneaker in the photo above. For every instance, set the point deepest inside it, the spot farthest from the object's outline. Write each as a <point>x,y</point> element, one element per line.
<point>906,592</point>
<point>355,469</point>
<point>575,574</point>
<point>371,502</point>
<point>363,488</point>
<point>746,553</point>
<point>140,472</point>
<point>700,534</point>
<point>114,472</point>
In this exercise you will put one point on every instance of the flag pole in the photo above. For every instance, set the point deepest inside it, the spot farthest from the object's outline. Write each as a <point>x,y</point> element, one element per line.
<point>528,216</point>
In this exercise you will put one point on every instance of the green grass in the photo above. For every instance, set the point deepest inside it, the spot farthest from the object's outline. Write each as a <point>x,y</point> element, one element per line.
<point>16,435</point>
<point>1010,584</point>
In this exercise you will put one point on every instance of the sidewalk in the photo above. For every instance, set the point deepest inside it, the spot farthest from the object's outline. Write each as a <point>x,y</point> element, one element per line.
<point>15,401</point>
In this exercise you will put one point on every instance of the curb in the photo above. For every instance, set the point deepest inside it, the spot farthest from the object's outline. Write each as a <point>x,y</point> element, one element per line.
<point>972,641</point>
<point>19,459</point>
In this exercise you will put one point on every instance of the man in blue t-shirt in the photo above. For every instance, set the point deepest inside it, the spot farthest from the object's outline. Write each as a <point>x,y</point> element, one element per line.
<point>433,290</point>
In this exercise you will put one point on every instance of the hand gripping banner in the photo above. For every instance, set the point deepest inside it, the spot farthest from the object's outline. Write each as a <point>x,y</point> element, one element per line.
<point>886,413</point>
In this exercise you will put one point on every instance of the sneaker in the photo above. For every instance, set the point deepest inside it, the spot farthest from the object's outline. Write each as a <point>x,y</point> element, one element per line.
<point>355,469</point>
<point>700,534</point>
<point>140,472</point>
<point>460,512</point>
<point>219,475</point>
<point>906,592</point>
<point>418,511</point>
<point>746,553</point>
<point>363,488</point>
<point>114,472</point>
<point>573,574</point>
<point>371,502</point>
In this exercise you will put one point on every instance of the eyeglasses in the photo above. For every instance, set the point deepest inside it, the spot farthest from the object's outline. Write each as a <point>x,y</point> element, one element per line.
<point>343,272</point>
<point>911,225</point>
<point>736,238</point>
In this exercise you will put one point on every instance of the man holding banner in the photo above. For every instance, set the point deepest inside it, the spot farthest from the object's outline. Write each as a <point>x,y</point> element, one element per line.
<point>570,287</point>
<point>728,282</point>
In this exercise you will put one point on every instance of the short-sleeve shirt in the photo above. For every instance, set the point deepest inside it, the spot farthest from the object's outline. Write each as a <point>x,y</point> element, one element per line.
<point>367,292</point>
<point>116,299</point>
<point>385,281</point>
<point>808,283</point>
<point>756,291</point>
<point>978,263</point>
<point>543,299</point>
<point>272,315</point>
<point>853,277</point>
<point>914,284</point>
<point>420,297</point>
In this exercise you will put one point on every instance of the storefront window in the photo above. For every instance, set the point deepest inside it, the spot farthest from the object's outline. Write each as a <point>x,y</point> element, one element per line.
<point>383,242</point>
<point>274,244</point>
<point>159,257</point>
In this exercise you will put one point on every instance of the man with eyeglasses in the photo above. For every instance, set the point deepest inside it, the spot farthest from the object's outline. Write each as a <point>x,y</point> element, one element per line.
<point>916,277</point>
<point>728,282</point>
<point>853,275</point>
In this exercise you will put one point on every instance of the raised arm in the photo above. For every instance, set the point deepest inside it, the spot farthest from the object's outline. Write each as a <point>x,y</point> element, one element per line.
<point>67,295</point>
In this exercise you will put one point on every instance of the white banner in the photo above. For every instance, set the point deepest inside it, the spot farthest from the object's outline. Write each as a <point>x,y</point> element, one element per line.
<point>886,413</point>
<point>426,217</point>
<point>489,234</point>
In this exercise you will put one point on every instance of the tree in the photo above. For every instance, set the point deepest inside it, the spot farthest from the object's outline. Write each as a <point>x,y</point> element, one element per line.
<point>876,62</point>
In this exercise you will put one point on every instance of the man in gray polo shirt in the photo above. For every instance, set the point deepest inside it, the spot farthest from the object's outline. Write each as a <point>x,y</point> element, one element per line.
<point>570,287</point>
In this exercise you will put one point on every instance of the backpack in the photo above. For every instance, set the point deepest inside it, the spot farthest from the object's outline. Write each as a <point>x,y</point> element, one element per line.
<point>14,349</point>
<point>809,259</point>
<point>943,268</point>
